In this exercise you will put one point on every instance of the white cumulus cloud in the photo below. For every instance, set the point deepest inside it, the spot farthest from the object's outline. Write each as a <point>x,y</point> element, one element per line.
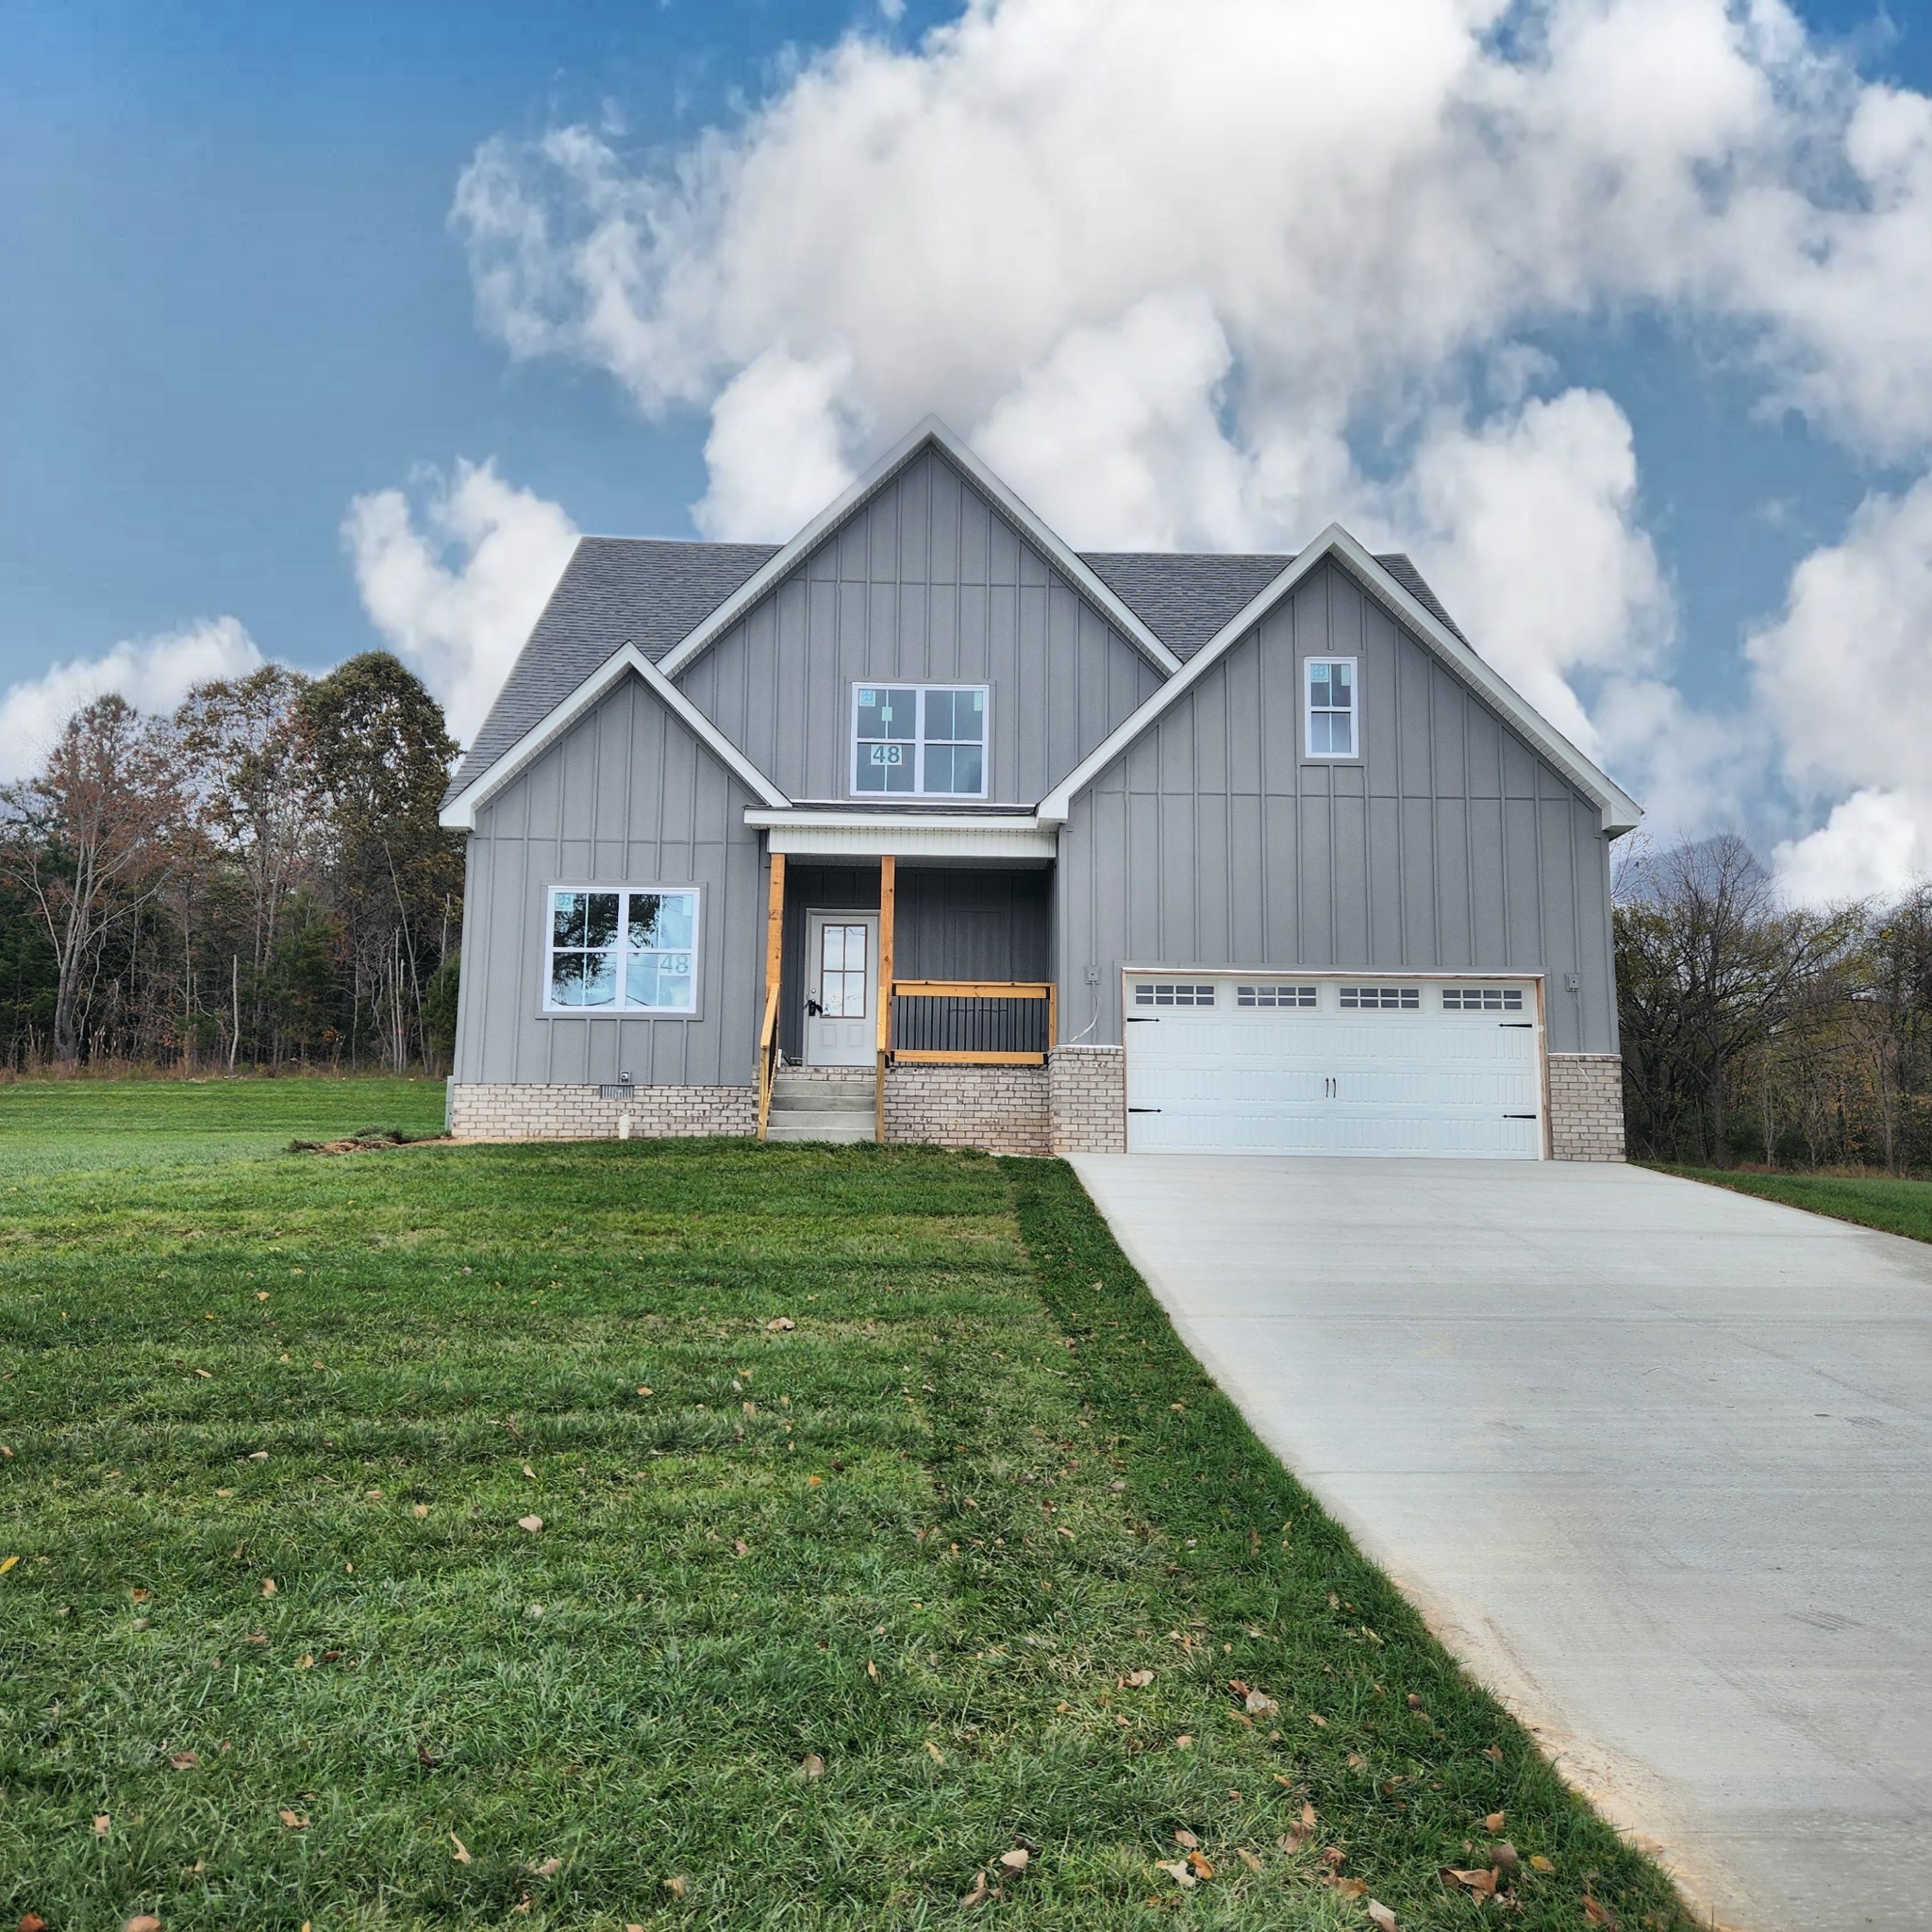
<point>153,674</point>
<point>456,592</point>
<point>1846,674</point>
<point>1209,273</point>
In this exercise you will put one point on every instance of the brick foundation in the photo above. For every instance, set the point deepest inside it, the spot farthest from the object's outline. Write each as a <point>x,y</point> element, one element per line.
<point>527,1111</point>
<point>1087,1099</point>
<point>1586,1107</point>
<point>1000,1110</point>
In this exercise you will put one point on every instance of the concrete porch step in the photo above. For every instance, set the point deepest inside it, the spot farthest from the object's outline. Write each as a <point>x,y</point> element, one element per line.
<point>841,1109</point>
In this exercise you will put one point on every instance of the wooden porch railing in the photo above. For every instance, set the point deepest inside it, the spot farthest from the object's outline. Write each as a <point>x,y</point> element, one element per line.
<point>972,1022</point>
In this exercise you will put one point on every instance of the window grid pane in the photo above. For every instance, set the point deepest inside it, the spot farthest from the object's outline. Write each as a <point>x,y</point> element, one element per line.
<point>1175,992</point>
<point>636,950</point>
<point>914,739</point>
<point>1381,999</point>
<point>1275,997</point>
<point>1331,709</point>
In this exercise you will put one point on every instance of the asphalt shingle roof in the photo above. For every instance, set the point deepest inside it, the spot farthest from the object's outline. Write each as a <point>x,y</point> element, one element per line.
<point>655,591</point>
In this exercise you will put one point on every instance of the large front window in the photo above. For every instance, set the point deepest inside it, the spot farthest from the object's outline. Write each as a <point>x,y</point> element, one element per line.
<point>622,950</point>
<point>913,740</point>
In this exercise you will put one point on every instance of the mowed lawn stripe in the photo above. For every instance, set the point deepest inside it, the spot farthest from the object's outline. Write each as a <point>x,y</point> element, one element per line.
<point>915,1536</point>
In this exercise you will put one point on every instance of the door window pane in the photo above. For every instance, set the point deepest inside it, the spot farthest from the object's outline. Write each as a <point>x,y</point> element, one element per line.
<point>842,959</point>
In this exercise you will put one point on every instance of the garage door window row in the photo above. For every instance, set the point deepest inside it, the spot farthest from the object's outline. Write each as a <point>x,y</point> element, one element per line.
<point>1277,996</point>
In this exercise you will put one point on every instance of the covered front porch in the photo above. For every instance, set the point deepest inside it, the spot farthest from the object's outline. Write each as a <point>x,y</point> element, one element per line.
<point>889,968</point>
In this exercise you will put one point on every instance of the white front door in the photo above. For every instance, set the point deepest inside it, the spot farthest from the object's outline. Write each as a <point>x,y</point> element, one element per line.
<point>1360,1063</point>
<point>841,954</point>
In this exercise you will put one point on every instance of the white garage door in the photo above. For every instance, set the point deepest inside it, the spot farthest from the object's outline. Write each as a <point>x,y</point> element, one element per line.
<point>1251,1064</point>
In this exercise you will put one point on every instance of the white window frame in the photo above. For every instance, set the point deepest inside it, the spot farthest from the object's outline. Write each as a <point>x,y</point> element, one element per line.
<point>919,739</point>
<point>1355,709</point>
<point>619,1008</point>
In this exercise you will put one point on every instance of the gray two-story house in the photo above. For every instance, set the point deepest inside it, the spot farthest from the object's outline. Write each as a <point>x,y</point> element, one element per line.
<point>923,826</point>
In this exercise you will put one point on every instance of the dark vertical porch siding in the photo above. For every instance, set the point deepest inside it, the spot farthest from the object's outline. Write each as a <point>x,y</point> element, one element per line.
<point>1451,844</point>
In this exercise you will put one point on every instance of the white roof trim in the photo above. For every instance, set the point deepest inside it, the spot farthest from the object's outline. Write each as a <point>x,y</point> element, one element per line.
<point>1621,812</point>
<point>907,835</point>
<point>459,814</point>
<point>932,431</point>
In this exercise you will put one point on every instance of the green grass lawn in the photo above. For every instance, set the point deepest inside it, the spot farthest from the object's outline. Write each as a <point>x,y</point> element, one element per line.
<point>1894,1206</point>
<point>822,1618</point>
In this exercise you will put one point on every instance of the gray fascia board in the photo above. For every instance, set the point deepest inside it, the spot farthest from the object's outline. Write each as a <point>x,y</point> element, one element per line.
<point>1621,812</point>
<point>934,433</point>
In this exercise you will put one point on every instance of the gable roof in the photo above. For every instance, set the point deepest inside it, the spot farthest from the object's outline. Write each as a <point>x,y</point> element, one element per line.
<point>1621,812</point>
<point>931,434</point>
<point>1185,597</point>
<point>647,591</point>
<point>461,803</point>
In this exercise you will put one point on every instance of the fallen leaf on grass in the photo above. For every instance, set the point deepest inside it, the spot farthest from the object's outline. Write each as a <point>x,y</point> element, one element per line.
<point>934,1751</point>
<point>1247,1858</point>
<point>1597,1913</point>
<point>103,1825</point>
<point>871,1670</point>
<point>418,1511</point>
<point>1482,1883</point>
<point>529,1472</point>
<point>1493,1822</point>
<point>1300,1832</point>
<point>1137,1680</point>
<point>1541,1863</point>
<point>740,1547</point>
<point>1493,1751</point>
<point>7,1563</point>
<point>1504,1856</point>
<point>532,1523</point>
<point>426,1757</point>
<point>258,1455</point>
<point>183,1761</point>
<point>979,1894</point>
<point>1184,1743</point>
<point>1382,1915</point>
<point>293,1820</point>
<point>1259,1703</point>
<point>462,1851</point>
<point>205,1376</point>
<point>677,1887</point>
<point>1316,1718</point>
<point>778,1325</point>
<point>268,1586</point>
<point>548,1869</point>
<point>32,1922</point>
<point>1352,1888</point>
<point>810,1766</point>
<point>139,1595</point>
<point>1015,1860</point>
<point>142,1922</point>
<point>1179,1871</point>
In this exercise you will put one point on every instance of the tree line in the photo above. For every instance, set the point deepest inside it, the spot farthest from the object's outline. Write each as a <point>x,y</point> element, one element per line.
<point>256,881</point>
<point>1755,1031</point>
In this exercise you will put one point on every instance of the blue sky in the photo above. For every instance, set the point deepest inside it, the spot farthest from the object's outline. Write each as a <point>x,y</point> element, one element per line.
<point>236,302</point>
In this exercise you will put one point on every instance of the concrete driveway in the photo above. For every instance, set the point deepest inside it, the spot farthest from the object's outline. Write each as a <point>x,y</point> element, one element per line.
<point>1655,1461</point>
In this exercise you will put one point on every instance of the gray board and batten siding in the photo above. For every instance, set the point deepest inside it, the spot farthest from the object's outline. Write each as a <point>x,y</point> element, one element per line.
<point>926,581</point>
<point>627,797</point>
<point>1450,844</point>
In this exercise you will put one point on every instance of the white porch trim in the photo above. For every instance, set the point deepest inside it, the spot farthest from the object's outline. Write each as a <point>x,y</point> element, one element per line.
<point>905,835</point>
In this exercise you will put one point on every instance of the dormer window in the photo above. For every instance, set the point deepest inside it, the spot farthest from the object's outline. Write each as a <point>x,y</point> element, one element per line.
<point>918,741</point>
<point>1334,728</point>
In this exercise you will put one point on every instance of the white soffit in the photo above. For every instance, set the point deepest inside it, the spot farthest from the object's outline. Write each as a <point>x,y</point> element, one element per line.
<point>908,835</point>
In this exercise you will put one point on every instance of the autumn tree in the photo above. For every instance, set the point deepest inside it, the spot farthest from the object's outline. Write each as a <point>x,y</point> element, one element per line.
<point>380,757</point>
<point>87,843</point>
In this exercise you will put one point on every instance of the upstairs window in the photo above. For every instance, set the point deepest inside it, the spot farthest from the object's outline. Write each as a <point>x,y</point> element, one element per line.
<point>1333,727</point>
<point>918,741</point>
<point>630,950</point>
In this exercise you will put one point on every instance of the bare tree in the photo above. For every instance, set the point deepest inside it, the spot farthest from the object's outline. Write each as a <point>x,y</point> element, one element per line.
<point>1710,965</point>
<point>88,841</point>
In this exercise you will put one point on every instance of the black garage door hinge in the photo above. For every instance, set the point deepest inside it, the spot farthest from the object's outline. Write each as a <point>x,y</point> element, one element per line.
<point>1516,1116</point>
<point>1143,1019</point>
<point>1143,1109</point>
<point>1525,1025</point>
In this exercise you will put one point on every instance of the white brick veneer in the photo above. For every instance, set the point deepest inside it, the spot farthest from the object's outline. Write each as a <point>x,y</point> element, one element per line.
<point>1586,1107</point>
<point>1088,1089</point>
<point>1001,1109</point>
<point>529,1111</point>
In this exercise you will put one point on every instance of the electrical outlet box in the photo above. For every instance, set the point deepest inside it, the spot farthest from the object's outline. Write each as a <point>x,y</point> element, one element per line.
<point>1093,975</point>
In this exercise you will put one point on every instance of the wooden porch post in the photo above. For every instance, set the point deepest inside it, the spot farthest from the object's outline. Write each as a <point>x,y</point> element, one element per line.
<point>888,885</point>
<point>775,960</point>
